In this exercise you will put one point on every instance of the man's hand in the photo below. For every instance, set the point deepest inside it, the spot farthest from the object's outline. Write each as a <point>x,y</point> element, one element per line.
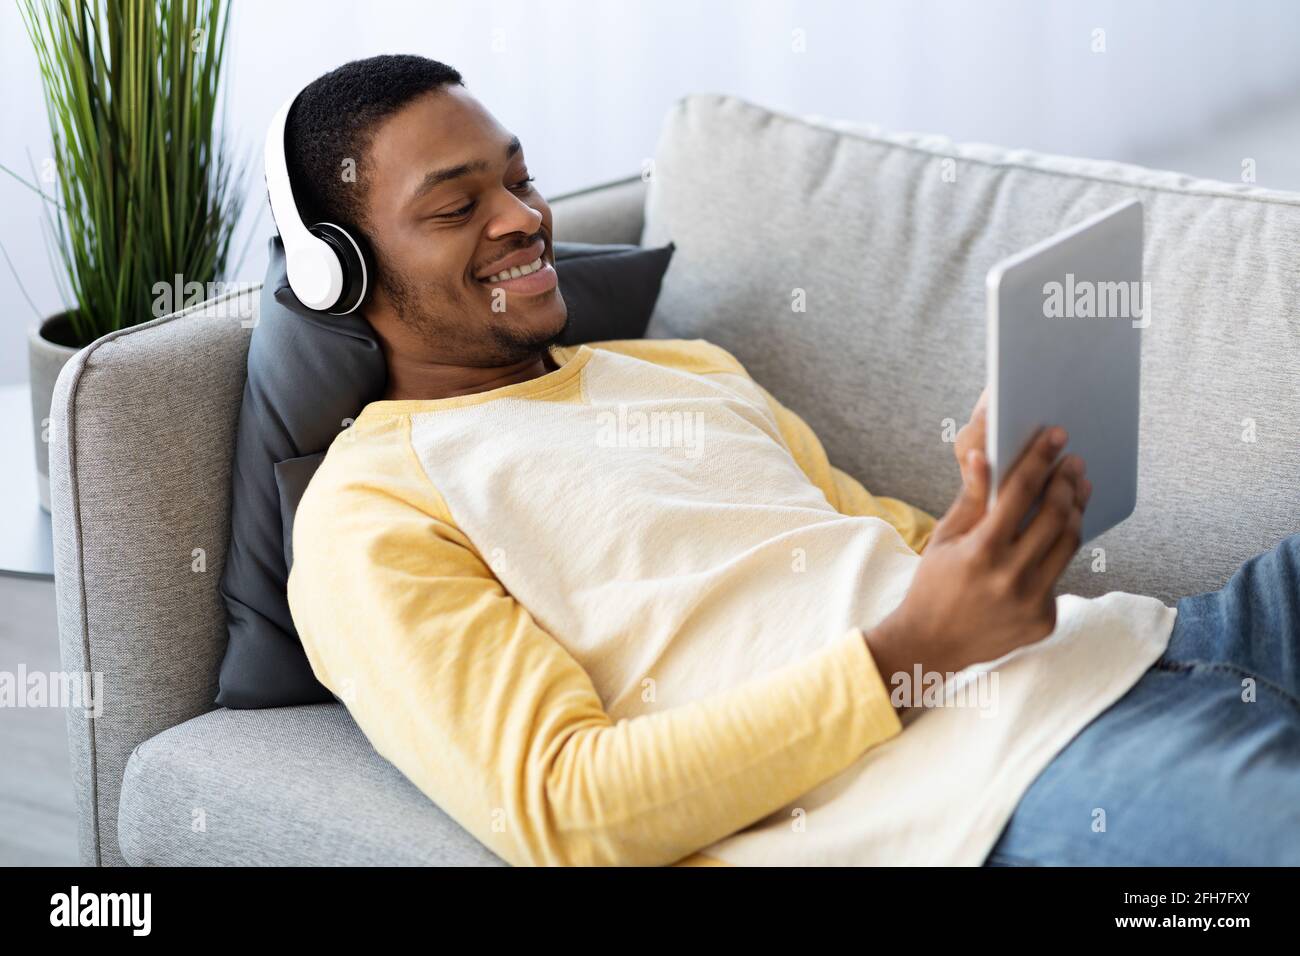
<point>973,435</point>
<point>983,588</point>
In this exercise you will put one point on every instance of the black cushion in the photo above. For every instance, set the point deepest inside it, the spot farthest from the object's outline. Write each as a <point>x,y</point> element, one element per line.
<point>309,376</point>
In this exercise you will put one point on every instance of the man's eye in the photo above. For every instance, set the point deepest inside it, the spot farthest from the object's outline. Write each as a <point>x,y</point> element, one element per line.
<point>456,214</point>
<point>522,186</point>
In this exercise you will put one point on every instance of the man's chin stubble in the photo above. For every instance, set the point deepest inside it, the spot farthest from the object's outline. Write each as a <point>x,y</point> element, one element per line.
<point>510,344</point>
<point>521,343</point>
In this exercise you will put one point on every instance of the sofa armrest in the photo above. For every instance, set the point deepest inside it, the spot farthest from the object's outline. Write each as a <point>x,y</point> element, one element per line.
<point>142,433</point>
<point>608,213</point>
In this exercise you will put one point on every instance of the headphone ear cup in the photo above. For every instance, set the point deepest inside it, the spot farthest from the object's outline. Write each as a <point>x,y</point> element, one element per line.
<point>358,270</point>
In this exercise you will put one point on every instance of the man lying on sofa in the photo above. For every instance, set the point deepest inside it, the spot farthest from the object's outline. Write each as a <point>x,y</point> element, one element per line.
<point>592,647</point>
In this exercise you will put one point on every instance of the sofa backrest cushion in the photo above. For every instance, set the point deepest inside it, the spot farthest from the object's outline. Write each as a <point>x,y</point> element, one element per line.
<point>887,240</point>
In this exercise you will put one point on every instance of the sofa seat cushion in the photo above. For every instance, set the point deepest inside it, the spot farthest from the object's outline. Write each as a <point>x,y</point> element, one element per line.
<point>297,786</point>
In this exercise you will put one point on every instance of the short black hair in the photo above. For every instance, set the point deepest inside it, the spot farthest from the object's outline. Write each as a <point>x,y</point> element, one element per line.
<point>333,120</point>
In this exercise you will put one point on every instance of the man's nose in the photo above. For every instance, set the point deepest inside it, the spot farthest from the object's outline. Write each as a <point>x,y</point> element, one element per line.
<point>512,214</point>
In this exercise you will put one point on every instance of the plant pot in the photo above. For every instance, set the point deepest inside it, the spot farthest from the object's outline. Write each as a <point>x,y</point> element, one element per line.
<point>48,349</point>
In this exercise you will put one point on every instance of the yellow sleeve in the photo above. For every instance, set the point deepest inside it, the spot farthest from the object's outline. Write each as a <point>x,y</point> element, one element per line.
<point>453,681</point>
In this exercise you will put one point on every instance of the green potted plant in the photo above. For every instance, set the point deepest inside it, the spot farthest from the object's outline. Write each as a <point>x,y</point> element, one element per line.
<point>143,181</point>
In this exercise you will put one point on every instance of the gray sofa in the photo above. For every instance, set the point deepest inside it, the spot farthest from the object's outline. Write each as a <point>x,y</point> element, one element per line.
<point>888,237</point>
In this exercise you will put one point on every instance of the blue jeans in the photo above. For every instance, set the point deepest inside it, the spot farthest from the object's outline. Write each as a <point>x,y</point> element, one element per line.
<point>1189,768</point>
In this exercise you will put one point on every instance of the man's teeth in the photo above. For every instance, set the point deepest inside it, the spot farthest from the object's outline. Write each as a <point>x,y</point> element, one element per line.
<point>514,272</point>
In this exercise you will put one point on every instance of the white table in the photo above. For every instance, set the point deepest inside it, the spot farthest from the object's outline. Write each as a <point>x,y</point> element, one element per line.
<point>26,538</point>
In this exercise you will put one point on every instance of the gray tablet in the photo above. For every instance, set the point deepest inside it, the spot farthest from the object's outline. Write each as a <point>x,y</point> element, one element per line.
<point>1065,320</point>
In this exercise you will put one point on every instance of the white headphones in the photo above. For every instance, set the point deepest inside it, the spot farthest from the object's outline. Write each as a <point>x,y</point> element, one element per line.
<point>326,267</point>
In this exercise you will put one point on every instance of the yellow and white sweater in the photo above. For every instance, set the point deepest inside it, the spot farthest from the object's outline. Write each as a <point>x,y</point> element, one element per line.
<point>615,615</point>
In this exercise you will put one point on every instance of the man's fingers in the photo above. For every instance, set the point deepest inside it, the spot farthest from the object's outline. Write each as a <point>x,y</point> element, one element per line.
<point>1061,498</point>
<point>1044,577</point>
<point>971,501</point>
<point>1024,483</point>
<point>971,435</point>
<point>1085,492</point>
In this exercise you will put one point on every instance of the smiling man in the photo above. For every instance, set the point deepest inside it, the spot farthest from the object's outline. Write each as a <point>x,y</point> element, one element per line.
<point>467,298</point>
<point>602,651</point>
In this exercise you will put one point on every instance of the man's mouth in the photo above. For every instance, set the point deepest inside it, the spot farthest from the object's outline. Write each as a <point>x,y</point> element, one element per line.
<point>528,277</point>
<point>514,272</point>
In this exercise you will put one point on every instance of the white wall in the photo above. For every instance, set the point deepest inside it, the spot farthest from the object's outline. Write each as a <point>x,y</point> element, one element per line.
<point>584,84</point>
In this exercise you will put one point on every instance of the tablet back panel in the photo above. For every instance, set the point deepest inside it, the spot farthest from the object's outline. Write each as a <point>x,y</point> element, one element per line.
<point>1065,322</point>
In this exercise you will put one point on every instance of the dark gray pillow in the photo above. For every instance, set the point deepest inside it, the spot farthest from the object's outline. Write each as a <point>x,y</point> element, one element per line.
<point>310,373</point>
